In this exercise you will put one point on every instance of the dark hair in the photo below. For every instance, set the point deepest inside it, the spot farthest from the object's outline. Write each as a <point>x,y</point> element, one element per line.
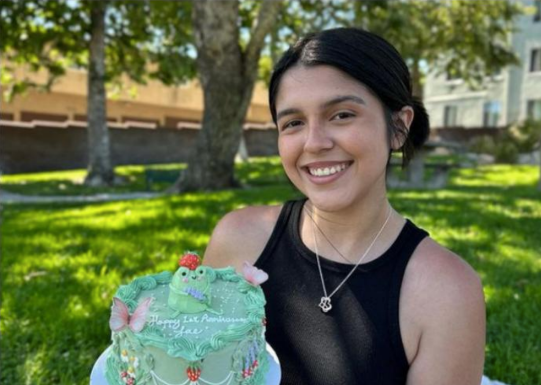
<point>371,60</point>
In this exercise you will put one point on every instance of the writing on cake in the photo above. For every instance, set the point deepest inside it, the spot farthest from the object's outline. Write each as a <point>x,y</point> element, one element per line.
<point>176,323</point>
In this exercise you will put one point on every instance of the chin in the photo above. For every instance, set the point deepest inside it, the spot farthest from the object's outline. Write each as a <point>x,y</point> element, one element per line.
<point>329,202</point>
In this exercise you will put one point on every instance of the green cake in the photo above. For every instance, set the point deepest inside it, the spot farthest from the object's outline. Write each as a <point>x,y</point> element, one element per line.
<point>198,326</point>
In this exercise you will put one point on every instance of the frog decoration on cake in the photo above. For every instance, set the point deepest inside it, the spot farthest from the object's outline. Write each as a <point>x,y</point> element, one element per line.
<point>190,288</point>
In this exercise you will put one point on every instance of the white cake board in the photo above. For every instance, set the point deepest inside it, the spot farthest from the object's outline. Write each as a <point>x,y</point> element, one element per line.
<point>97,376</point>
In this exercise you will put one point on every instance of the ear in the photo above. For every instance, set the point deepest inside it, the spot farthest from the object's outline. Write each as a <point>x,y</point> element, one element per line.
<point>402,119</point>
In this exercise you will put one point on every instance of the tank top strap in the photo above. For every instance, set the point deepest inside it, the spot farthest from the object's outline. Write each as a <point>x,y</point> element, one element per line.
<point>281,225</point>
<point>411,237</point>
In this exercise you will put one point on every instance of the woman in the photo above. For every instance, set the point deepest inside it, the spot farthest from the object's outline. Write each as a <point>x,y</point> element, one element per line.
<point>357,294</point>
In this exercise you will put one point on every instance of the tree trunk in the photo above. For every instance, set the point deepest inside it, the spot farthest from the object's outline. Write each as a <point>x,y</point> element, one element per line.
<point>100,170</point>
<point>227,75</point>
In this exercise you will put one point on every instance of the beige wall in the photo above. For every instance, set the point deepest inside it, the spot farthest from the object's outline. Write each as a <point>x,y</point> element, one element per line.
<point>154,101</point>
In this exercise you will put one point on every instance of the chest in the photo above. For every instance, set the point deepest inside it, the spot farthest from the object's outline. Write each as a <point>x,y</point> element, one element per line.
<point>362,327</point>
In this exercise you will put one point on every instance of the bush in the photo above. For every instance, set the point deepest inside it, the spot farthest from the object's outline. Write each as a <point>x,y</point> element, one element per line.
<point>526,135</point>
<point>522,137</point>
<point>504,148</point>
<point>484,144</point>
<point>506,151</point>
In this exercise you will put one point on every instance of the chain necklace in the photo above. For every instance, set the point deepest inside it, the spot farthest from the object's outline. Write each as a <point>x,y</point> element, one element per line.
<point>309,213</point>
<point>325,302</point>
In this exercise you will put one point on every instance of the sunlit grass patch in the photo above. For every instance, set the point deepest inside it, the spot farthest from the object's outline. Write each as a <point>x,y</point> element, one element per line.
<point>498,175</point>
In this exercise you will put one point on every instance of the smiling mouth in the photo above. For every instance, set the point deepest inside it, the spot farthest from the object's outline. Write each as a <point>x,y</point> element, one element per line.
<point>326,171</point>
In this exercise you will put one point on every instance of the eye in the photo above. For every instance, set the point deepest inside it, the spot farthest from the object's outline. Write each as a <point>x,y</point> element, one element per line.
<point>184,273</point>
<point>201,272</point>
<point>343,115</point>
<point>291,123</point>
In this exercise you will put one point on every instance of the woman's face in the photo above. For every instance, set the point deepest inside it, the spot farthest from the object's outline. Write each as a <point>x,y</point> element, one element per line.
<point>332,137</point>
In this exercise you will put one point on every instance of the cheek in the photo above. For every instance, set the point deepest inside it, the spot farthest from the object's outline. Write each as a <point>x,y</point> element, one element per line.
<point>372,136</point>
<point>288,152</point>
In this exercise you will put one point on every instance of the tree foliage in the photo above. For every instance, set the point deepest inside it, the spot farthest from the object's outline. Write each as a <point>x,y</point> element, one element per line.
<point>55,35</point>
<point>108,38</point>
<point>154,39</point>
<point>466,39</point>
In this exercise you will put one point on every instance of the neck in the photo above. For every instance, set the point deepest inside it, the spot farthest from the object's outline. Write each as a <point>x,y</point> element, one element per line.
<point>351,230</point>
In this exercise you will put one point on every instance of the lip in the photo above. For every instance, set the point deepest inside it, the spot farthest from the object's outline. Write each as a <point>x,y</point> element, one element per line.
<point>320,180</point>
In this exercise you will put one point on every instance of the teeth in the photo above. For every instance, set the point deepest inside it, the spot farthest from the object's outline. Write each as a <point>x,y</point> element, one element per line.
<point>327,171</point>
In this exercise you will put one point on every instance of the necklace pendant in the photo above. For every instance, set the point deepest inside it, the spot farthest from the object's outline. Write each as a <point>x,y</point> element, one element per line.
<point>325,304</point>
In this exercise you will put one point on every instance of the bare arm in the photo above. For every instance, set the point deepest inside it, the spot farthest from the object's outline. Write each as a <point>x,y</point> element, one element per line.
<point>240,236</point>
<point>451,310</point>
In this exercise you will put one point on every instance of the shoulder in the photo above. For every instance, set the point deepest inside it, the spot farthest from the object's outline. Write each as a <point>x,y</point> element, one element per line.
<point>241,235</point>
<point>435,272</point>
<point>443,298</point>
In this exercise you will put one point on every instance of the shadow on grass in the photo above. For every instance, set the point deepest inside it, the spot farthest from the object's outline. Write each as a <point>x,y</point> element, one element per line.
<point>255,172</point>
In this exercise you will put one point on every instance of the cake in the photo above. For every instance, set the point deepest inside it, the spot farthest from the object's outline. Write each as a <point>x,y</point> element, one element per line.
<point>197,326</point>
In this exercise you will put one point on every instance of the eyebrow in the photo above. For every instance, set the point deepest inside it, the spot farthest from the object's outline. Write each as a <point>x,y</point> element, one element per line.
<point>337,100</point>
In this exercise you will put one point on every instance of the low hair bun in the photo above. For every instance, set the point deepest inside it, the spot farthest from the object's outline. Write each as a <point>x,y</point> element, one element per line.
<point>420,127</point>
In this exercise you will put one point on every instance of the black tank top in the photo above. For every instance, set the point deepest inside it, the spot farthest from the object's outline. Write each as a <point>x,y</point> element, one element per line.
<point>358,341</point>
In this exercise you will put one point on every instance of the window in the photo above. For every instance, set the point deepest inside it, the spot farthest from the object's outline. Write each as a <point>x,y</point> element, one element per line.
<point>491,113</point>
<point>449,116</point>
<point>535,60</point>
<point>537,14</point>
<point>534,109</point>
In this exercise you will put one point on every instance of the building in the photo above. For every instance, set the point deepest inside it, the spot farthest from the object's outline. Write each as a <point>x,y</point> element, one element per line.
<point>150,124</point>
<point>512,95</point>
<point>156,105</point>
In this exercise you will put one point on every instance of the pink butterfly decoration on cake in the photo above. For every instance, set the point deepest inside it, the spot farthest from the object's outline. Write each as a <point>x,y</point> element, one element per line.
<point>120,316</point>
<point>254,275</point>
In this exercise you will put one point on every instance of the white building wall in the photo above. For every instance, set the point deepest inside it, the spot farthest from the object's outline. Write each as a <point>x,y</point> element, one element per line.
<point>512,88</point>
<point>531,81</point>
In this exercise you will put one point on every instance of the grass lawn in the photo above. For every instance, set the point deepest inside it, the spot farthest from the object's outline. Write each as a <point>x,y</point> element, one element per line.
<point>63,183</point>
<point>61,263</point>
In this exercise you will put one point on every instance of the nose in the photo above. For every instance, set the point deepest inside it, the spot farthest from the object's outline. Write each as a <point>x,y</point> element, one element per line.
<point>317,139</point>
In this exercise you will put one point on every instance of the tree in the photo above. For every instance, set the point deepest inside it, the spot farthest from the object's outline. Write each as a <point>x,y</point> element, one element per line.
<point>230,36</point>
<point>100,168</point>
<point>466,39</point>
<point>462,38</point>
<point>227,63</point>
<point>298,18</point>
<point>109,38</point>
<point>429,31</point>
